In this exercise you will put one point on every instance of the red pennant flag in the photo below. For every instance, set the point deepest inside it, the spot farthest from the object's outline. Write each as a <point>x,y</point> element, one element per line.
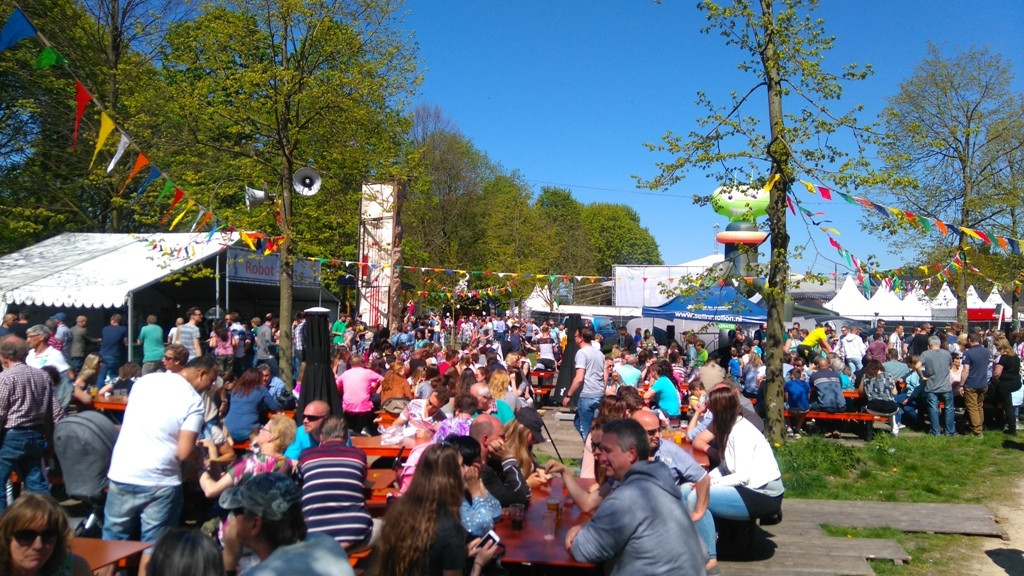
<point>825,192</point>
<point>833,242</point>
<point>178,195</point>
<point>82,99</point>
<point>789,202</point>
<point>983,236</point>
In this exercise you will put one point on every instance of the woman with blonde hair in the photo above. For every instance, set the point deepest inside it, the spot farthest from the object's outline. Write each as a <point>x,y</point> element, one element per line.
<point>87,377</point>
<point>500,384</point>
<point>423,532</point>
<point>1006,381</point>
<point>273,439</point>
<point>35,539</point>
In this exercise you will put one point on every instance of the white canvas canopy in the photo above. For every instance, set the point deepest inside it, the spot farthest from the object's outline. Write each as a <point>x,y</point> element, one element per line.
<point>995,299</point>
<point>849,302</point>
<point>885,304</point>
<point>973,300</point>
<point>917,305</point>
<point>944,305</point>
<point>98,270</point>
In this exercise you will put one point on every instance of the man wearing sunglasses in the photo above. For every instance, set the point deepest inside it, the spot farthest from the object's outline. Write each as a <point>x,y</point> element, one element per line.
<point>308,435</point>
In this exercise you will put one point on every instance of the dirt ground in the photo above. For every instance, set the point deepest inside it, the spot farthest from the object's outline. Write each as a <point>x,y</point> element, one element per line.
<point>995,557</point>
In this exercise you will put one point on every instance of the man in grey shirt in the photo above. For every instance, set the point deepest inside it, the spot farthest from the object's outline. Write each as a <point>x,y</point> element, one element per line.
<point>937,387</point>
<point>264,340</point>
<point>188,333</point>
<point>589,375</point>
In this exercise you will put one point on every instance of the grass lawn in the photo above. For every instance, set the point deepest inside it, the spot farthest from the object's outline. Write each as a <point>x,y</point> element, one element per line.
<point>907,469</point>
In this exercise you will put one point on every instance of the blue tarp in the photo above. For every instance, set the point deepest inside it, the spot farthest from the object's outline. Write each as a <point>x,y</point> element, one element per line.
<point>715,304</point>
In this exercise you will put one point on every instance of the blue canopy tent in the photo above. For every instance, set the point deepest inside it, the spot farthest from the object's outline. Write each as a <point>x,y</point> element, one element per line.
<point>714,304</point>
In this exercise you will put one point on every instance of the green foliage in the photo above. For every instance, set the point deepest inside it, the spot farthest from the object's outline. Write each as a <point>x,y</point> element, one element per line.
<point>617,237</point>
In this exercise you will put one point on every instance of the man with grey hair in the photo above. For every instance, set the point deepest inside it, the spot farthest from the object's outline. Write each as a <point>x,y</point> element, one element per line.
<point>936,363</point>
<point>28,411</point>
<point>975,379</point>
<point>41,354</point>
<point>646,511</point>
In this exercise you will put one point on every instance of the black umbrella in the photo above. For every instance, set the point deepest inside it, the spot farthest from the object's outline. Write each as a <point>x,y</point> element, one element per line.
<point>318,379</point>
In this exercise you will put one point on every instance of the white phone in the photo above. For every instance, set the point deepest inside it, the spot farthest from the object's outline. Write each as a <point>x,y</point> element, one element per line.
<point>491,536</point>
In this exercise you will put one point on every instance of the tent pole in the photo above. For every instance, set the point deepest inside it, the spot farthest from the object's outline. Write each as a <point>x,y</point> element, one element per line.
<point>131,323</point>
<point>216,287</point>
<point>227,283</point>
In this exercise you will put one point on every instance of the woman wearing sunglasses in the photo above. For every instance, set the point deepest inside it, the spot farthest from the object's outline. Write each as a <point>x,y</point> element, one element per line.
<point>36,538</point>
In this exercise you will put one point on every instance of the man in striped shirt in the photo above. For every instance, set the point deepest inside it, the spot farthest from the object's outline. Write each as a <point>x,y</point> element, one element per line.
<point>332,477</point>
<point>28,411</point>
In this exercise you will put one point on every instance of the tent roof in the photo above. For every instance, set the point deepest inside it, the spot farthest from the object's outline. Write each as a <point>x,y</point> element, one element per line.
<point>916,304</point>
<point>99,270</point>
<point>973,300</point>
<point>945,298</point>
<point>886,304</point>
<point>849,301</point>
<point>714,304</point>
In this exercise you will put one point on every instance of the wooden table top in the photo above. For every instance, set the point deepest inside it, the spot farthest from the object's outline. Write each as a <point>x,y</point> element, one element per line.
<point>112,403</point>
<point>372,446</point>
<point>528,546</point>
<point>100,553</point>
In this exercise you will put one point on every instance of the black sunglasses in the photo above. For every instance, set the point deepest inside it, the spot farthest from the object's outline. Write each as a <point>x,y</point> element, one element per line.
<point>28,537</point>
<point>312,417</point>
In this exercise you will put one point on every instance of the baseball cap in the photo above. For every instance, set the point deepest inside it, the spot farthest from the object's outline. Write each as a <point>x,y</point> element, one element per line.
<point>265,495</point>
<point>59,316</point>
<point>532,419</point>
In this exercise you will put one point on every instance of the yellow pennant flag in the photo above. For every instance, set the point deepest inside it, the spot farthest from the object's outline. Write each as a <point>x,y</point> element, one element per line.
<point>771,182</point>
<point>106,127</point>
<point>248,241</point>
<point>180,216</point>
<point>970,233</point>
<point>809,186</point>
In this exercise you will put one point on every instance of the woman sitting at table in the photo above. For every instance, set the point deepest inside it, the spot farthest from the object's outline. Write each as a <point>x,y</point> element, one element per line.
<point>520,438</point>
<point>394,384</point>
<point>747,484</point>
<point>879,387</point>
<point>87,377</point>
<point>36,539</point>
<point>246,398</point>
<point>479,509</point>
<point>272,439</point>
<point>422,533</point>
<point>126,376</point>
<point>663,393</point>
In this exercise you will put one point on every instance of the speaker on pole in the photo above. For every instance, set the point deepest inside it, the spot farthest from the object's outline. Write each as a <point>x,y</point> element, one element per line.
<point>670,334</point>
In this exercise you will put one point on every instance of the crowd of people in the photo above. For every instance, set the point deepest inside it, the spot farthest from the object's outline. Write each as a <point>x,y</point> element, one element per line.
<point>295,501</point>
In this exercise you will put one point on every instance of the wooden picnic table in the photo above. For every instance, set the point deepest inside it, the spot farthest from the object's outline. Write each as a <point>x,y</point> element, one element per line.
<point>372,447</point>
<point>99,553</point>
<point>112,403</point>
<point>528,546</point>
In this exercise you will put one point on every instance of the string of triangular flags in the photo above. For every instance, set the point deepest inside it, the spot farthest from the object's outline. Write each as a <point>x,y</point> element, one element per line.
<point>1007,244</point>
<point>18,27</point>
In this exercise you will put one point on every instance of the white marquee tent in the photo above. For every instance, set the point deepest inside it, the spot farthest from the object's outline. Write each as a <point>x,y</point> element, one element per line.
<point>849,302</point>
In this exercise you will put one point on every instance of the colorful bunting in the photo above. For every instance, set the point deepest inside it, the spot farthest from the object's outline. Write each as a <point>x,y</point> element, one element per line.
<point>182,215</point>
<point>140,163</point>
<point>106,127</point>
<point>82,99</point>
<point>771,182</point>
<point>16,29</point>
<point>122,145</point>
<point>49,57</point>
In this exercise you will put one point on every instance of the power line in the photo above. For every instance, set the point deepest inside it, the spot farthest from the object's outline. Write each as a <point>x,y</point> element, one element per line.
<point>574,186</point>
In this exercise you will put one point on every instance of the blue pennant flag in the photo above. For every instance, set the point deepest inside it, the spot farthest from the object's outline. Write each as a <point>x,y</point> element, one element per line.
<point>16,29</point>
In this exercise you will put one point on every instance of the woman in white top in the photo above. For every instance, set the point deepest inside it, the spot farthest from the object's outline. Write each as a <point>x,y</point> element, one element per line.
<point>747,484</point>
<point>545,349</point>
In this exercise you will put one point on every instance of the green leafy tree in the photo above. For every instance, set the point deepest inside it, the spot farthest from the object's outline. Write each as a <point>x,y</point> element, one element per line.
<point>562,218</point>
<point>952,135</point>
<point>617,237</point>
<point>782,47</point>
<point>263,87</point>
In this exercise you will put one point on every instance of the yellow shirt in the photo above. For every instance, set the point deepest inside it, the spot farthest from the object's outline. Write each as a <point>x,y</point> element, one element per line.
<point>816,337</point>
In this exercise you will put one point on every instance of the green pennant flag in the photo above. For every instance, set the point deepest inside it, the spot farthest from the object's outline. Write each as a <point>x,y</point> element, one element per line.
<point>168,186</point>
<point>49,57</point>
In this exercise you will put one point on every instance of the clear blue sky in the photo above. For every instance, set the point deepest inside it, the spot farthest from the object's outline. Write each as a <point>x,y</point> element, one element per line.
<point>566,92</point>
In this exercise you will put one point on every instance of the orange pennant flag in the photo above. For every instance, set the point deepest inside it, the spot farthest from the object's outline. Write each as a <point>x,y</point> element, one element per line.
<point>941,226</point>
<point>140,163</point>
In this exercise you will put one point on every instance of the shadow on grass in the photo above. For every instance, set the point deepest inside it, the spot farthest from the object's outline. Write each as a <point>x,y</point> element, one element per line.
<point>1010,560</point>
<point>1013,445</point>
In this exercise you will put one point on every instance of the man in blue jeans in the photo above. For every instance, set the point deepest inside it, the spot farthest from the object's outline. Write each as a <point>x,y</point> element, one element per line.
<point>28,411</point>
<point>159,431</point>
<point>589,375</point>
<point>936,363</point>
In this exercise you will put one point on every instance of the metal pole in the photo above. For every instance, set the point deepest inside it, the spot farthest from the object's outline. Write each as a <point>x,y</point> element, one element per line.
<point>216,286</point>
<point>131,324</point>
<point>227,281</point>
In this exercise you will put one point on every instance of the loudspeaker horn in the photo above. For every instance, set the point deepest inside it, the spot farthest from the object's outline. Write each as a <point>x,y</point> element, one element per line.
<point>306,181</point>
<point>254,197</point>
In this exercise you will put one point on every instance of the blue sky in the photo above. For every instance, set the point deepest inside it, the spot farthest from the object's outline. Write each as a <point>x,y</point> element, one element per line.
<point>566,92</point>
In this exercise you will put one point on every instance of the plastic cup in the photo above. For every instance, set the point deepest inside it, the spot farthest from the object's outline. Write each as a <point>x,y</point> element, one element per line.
<point>679,438</point>
<point>550,522</point>
<point>517,512</point>
<point>555,505</point>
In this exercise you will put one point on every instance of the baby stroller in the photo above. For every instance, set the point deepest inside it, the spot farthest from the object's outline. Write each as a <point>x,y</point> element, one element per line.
<point>84,443</point>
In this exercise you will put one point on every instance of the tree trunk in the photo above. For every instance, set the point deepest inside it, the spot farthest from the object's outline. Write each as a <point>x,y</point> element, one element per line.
<point>778,270</point>
<point>285,257</point>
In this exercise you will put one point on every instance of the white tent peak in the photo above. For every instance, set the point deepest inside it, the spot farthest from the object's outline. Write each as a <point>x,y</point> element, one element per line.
<point>850,302</point>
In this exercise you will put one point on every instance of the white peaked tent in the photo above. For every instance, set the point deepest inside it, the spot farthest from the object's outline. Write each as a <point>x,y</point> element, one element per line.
<point>917,305</point>
<point>995,299</point>
<point>944,305</point>
<point>885,304</point>
<point>973,300</point>
<point>849,302</point>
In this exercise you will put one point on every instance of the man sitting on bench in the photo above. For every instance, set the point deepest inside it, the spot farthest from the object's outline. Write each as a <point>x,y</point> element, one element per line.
<point>827,390</point>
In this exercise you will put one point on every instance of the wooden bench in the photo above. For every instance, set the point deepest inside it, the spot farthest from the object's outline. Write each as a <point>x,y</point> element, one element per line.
<point>863,417</point>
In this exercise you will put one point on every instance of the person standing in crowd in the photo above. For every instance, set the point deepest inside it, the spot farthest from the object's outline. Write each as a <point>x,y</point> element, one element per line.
<point>151,338</point>
<point>631,528</point>
<point>113,344</point>
<point>265,345</point>
<point>28,411</point>
<point>356,387</point>
<point>188,333</point>
<point>1006,381</point>
<point>896,343</point>
<point>41,354</point>
<point>589,380</point>
<point>936,363</point>
<point>63,334</point>
<point>243,341</point>
<point>159,432</point>
<point>975,381</point>
<point>298,346</point>
<point>80,343</point>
